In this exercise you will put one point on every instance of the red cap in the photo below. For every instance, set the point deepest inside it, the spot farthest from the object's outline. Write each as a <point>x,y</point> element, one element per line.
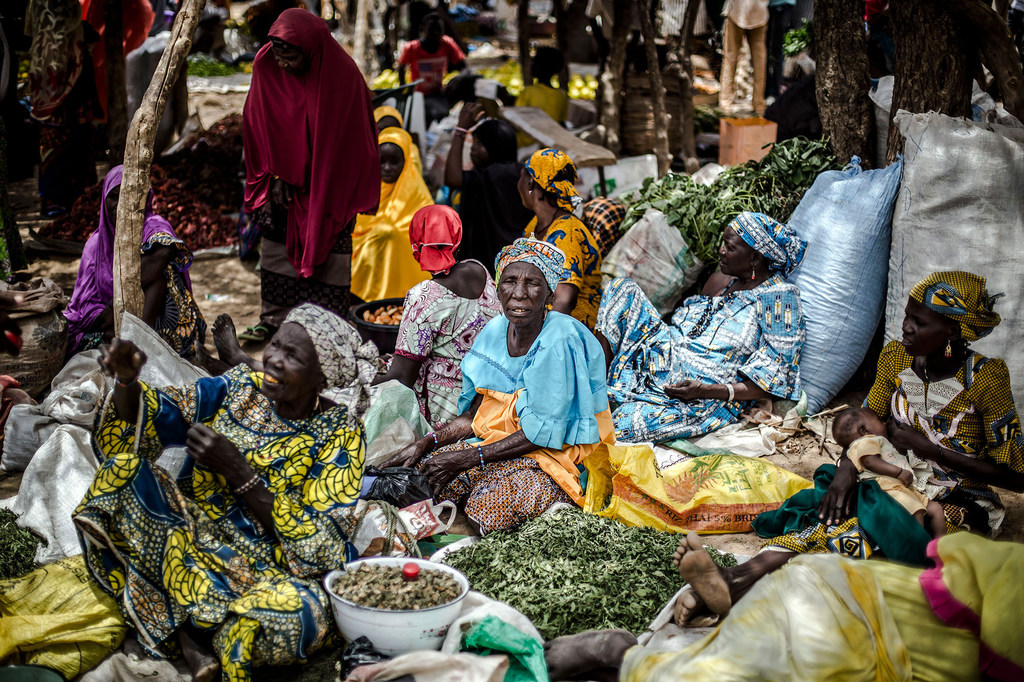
<point>411,571</point>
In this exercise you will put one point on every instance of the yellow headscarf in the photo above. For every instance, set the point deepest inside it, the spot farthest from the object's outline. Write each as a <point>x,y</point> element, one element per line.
<point>960,296</point>
<point>383,265</point>
<point>555,172</point>
<point>414,156</point>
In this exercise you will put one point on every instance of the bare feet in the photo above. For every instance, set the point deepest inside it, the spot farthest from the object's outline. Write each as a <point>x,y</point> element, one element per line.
<point>710,589</point>
<point>203,665</point>
<point>587,652</point>
<point>226,341</point>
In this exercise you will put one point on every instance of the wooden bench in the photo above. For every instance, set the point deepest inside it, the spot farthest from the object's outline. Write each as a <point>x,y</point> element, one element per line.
<point>541,127</point>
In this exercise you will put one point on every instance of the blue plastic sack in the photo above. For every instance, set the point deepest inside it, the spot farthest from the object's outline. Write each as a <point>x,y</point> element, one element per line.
<point>846,218</point>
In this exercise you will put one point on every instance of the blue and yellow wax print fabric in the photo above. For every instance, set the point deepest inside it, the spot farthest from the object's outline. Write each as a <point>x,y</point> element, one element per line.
<point>187,551</point>
<point>555,172</point>
<point>960,296</point>
<point>756,334</point>
<point>776,241</point>
<point>582,263</point>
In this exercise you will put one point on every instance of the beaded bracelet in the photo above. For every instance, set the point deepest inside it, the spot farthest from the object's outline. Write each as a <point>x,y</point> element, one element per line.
<point>480,451</point>
<point>248,485</point>
<point>434,436</point>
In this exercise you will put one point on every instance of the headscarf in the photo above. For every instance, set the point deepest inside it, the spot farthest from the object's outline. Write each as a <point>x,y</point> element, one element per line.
<point>435,234</point>
<point>94,286</point>
<point>56,53</point>
<point>316,132</point>
<point>960,296</point>
<point>414,156</point>
<point>775,241</point>
<point>548,258</point>
<point>382,261</point>
<point>345,359</point>
<point>555,172</point>
<point>499,139</point>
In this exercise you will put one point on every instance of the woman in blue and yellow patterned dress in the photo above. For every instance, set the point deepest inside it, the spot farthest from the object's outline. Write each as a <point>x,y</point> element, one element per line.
<point>231,553</point>
<point>547,186</point>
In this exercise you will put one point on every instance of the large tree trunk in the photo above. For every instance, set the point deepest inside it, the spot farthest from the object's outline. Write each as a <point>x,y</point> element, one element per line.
<point>661,147</point>
<point>842,81</point>
<point>523,18</point>
<point>681,66</point>
<point>998,51</point>
<point>117,90</point>
<point>934,63</point>
<point>138,158</point>
<point>610,82</point>
<point>359,40</point>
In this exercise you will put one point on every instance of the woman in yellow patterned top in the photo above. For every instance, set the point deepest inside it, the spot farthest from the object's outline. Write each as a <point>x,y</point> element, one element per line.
<point>548,188</point>
<point>231,553</point>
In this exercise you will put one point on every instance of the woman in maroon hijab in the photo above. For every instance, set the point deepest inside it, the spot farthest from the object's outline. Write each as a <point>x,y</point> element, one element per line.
<point>311,162</point>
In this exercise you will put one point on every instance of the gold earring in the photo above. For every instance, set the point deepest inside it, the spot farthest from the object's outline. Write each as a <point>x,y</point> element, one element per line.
<point>949,348</point>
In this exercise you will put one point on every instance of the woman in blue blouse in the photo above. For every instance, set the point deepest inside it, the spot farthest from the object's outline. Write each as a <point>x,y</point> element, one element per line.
<point>739,341</point>
<point>534,403</point>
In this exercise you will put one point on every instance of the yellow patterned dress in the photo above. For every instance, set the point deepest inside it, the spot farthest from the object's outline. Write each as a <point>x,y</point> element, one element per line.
<point>582,259</point>
<point>187,551</point>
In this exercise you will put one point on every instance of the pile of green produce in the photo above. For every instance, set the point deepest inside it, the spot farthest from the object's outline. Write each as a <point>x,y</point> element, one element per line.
<point>204,66</point>
<point>705,119</point>
<point>17,547</point>
<point>569,571</point>
<point>798,39</point>
<point>773,186</point>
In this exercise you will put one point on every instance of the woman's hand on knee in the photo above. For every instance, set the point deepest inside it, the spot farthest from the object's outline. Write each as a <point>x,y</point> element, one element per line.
<point>442,468</point>
<point>409,455</point>
<point>836,503</point>
<point>686,390</point>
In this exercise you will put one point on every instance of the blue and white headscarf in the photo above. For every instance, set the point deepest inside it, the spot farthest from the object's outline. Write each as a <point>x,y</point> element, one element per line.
<point>777,242</point>
<point>549,259</point>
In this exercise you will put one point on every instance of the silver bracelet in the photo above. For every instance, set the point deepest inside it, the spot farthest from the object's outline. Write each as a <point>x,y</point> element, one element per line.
<point>248,485</point>
<point>732,392</point>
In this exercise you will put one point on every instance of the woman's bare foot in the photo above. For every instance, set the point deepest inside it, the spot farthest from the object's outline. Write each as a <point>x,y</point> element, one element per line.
<point>586,652</point>
<point>226,341</point>
<point>203,665</point>
<point>710,589</point>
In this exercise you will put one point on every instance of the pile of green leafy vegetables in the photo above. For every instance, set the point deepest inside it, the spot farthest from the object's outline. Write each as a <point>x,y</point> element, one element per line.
<point>773,186</point>
<point>798,39</point>
<point>705,119</point>
<point>203,66</point>
<point>17,547</point>
<point>569,571</point>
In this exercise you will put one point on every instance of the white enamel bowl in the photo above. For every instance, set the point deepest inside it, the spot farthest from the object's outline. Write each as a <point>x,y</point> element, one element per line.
<point>396,632</point>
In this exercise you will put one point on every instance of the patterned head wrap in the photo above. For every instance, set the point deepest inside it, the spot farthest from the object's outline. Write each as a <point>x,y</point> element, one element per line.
<point>435,234</point>
<point>344,358</point>
<point>774,240</point>
<point>960,296</point>
<point>548,258</point>
<point>555,172</point>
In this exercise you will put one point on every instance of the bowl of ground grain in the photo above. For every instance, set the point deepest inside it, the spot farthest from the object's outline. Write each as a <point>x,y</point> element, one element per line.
<point>399,604</point>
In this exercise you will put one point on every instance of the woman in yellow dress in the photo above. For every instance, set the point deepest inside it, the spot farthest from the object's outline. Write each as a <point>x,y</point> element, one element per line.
<point>382,262</point>
<point>228,557</point>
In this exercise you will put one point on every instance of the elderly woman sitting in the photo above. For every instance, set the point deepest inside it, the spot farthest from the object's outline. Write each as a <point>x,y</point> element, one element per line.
<point>231,552</point>
<point>534,403</point>
<point>738,341</point>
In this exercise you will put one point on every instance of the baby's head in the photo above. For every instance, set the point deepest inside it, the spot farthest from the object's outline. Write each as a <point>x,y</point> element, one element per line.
<point>855,423</point>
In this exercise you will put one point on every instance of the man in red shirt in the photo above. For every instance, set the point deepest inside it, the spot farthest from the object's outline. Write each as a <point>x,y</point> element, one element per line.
<point>431,58</point>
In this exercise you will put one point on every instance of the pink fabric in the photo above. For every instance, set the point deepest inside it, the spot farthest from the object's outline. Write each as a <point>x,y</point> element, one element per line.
<point>316,132</point>
<point>435,234</point>
<point>954,613</point>
<point>94,286</point>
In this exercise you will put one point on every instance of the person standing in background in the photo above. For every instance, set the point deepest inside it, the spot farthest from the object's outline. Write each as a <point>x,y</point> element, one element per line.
<point>430,59</point>
<point>744,20</point>
<point>780,15</point>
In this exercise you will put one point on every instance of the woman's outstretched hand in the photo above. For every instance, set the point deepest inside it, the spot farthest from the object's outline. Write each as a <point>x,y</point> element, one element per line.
<point>217,453</point>
<point>836,503</point>
<point>411,454</point>
<point>122,360</point>
<point>686,390</point>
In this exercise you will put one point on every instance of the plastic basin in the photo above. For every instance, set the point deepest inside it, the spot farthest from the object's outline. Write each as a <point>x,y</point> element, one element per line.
<point>396,632</point>
<point>384,336</point>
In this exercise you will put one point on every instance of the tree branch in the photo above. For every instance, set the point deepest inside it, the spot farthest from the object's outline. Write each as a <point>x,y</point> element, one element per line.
<point>661,147</point>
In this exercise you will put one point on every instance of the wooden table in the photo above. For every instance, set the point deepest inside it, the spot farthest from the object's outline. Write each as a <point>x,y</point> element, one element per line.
<point>541,127</point>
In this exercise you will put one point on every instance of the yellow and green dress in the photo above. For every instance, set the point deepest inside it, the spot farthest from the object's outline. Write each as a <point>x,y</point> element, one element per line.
<point>187,551</point>
<point>582,260</point>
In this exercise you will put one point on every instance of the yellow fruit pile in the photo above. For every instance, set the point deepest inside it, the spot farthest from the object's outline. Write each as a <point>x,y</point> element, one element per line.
<point>508,74</point>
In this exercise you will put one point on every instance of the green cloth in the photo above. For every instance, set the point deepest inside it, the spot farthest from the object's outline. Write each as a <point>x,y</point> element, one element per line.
<point>898,534</point>
<point>491,635</point>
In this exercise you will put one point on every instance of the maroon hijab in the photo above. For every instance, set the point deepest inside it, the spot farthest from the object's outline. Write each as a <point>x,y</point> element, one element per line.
<point>316,132</point>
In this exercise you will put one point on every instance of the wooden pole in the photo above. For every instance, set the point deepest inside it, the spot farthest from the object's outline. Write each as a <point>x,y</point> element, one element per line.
<point>117,90</point>
<point>138,158</point>
<point>609,108</point>
<point>661,148</point>
<point>681,53</point>
<point>523,20</point>
<point>359,40</point>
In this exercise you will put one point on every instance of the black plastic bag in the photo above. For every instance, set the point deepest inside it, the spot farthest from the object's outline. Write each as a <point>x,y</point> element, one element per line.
<point>398,486</point>
<point>360,652</point>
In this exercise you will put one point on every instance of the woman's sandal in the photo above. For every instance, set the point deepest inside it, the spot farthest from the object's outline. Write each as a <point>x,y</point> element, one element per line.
<point>257,334</point>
